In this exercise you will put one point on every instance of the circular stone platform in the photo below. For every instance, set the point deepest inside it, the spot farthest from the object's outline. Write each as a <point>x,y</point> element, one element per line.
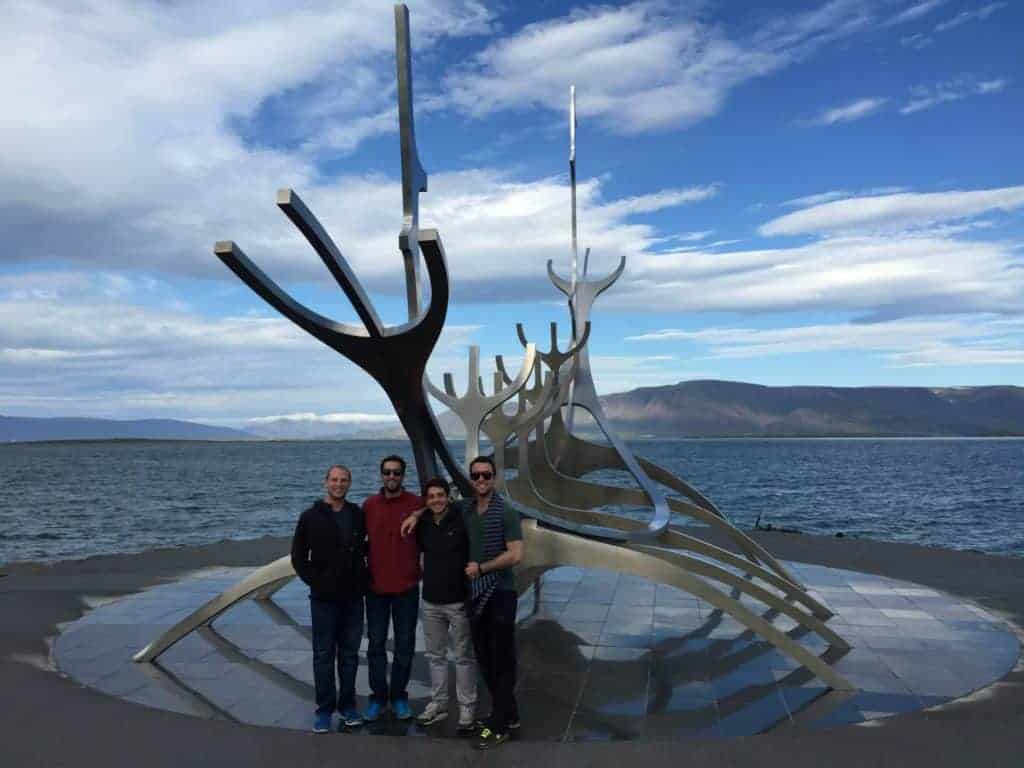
<point>602,656</point>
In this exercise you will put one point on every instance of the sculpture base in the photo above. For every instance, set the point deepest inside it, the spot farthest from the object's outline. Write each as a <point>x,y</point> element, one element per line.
<point>602,656</point>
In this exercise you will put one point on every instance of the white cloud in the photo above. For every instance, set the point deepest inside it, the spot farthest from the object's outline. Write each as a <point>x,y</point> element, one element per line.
<point>639,67</point>
<point>980,340</point>
<point>123,151</point>
<point>847,113</point>
<point>916,41</point>
<point>926,97</point>
<point>978,14</point>
<point>328,418</point>
<point>894,212</point>
<point>922,274</point>
<point>658,201</point>
<point>915,11</point>
<point>514,225</point>
<point>690,237</point>
<point>68,348</point>
<point>124,122</point>
<point>818,198</point>
<point>621,373</point>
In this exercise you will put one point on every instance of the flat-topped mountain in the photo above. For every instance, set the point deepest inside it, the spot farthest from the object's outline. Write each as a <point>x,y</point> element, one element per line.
<point>25,429</point>
<point>734,409</point>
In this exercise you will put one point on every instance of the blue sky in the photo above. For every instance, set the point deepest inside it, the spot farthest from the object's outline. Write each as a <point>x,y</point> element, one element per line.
<point>806,192</point>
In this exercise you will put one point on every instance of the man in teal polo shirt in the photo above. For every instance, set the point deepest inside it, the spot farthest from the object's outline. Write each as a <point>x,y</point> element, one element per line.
<point>495,548</point>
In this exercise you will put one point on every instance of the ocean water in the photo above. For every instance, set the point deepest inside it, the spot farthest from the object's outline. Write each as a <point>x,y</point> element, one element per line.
<point>72,500</point>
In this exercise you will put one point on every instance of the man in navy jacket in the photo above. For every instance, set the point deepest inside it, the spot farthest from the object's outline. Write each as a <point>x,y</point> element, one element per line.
<point>329,555</point>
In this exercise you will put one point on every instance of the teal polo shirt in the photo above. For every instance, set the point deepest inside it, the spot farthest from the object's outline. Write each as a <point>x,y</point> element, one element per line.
<point>474,530</point>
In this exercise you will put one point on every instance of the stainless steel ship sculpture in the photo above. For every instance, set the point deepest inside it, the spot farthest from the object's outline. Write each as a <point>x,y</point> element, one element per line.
<point>568,522</point>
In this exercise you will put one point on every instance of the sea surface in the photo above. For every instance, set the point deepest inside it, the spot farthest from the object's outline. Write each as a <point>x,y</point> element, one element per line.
<point>76,499</point>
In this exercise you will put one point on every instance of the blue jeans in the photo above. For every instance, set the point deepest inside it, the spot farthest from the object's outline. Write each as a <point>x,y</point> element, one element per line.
<point>337,631</point>
<point>402,610</point>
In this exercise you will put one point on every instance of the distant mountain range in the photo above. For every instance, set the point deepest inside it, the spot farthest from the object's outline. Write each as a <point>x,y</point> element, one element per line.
<point>733,409</point>
<point>320,429</point>
<point>18,429</point>
<point>687,409</point>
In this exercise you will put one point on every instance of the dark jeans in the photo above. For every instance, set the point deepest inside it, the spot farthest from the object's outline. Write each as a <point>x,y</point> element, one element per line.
<point>494,640</point>
<point>401,611</point>
<point>337,630</point>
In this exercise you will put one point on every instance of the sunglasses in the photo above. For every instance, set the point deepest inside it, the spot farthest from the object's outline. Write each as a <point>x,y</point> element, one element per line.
<point>392,472</point>
<point>481,475</point>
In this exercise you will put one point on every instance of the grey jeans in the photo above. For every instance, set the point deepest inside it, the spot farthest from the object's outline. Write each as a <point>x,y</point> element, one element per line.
<point>438,621</point>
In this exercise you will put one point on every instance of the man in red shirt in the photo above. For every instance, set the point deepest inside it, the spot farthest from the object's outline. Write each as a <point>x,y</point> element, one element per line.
<point>394,593</point>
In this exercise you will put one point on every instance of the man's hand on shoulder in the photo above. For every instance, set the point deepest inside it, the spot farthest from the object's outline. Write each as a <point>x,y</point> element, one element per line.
<point>409,524</point>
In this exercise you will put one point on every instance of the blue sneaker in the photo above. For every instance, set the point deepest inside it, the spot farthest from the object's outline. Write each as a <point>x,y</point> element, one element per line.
<point>350,718</point>
<point>374,710</point>
<point>401,709</point>
<point>322,722</point>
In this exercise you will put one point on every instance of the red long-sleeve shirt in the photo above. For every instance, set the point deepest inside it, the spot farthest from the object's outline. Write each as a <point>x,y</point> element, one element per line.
<point>394,561</point>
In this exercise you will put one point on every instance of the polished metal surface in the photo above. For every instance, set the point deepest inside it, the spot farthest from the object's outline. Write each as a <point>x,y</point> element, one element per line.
<point>575,241</point>
<point>545,548</point>
<point>582,296</point>
<point>566,490</point>
<point>577,513</point>
<point>395,356</point>
<point>414,178</point>
<point>247,587</point>
<point>472,407</point>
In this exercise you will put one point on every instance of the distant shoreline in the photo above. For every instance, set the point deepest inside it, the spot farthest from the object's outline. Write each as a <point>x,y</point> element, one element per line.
<point>646,439</point>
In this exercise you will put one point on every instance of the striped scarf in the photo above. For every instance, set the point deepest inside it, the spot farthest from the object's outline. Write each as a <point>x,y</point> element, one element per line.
<point>493,525</point>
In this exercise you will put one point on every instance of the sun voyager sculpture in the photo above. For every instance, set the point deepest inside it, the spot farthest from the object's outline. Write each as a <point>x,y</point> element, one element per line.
<point>566,519</point>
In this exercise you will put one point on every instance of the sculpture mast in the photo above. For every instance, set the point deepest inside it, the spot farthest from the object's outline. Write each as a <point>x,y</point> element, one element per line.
<point>414,178</point>
<point>575,246</point>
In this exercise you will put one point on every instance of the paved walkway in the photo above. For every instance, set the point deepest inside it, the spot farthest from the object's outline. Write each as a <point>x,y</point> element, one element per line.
<point>52,721</point>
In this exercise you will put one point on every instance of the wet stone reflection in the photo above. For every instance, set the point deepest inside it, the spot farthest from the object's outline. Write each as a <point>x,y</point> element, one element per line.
<point>603,656</point>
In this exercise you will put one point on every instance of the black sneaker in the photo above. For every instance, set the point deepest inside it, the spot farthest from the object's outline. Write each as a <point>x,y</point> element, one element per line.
<point>483,722</point>
<point>489,739</point>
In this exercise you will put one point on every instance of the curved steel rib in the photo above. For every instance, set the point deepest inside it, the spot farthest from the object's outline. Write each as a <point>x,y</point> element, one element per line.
<point>585,393</point>
<point>310,227</point>
<point>474,406</point>
<point>555,358</point>
<point>580,457</point>
<point>548,548</point>
<point>498,425</point>
<point>396,357</point>
<point>565,490</point>
<point>247,587</point>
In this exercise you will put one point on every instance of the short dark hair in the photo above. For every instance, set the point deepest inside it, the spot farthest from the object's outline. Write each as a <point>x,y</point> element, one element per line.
<point>342,467</point>
<point>484,460</point>
<point>437,482</point>
<point>392,457</point>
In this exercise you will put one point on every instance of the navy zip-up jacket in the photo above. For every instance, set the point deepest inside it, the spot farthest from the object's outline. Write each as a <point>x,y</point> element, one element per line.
<point>329,557</point>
